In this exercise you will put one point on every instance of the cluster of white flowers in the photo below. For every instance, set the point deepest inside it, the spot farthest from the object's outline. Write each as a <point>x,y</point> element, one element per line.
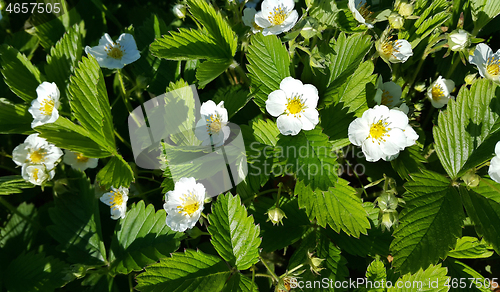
<point>212,128</point>
<point>115,55</point>
<point>439,92</point>
<point>38,159</point>
<point>44,107</point>
<point>382,133</point>
<point>275,17</point>
<point>117,200</point>
<point>295,106</point>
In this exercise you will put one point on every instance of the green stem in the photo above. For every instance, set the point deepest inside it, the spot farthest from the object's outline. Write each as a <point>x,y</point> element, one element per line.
<point>454,65</point>
<point>262,275</point>
<point>258,195</point>
<point>122,140</point>
<point>279,193</point>
<point>429,117</point>
<point>241,72</point>
<point>108,14</point>
<point>269,269</point>
<point>123,91</point>
<point>356,175</point>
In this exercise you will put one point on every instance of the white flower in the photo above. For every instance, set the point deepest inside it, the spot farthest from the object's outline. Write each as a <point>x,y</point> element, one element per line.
<point>36,150</point>
<point>78,161</point>
<point>394,51</point>
<point>487,63</point>
<point>117,200</point>
<point>44,107</point>
<point>411,135</point>
<point>388,93</point>
<point>115,55</point>
<point>494,170</point>
<point>249,19</point>
<point>381,133</point>
<point>295,106</point>
<point>184,204</point>
<point>276,16</point>
<point>212,128</point>
<point>439,92</point>
<point>179,11</point>
<point>37,174</point>
<point>359,9</point>
<point>458,40</point>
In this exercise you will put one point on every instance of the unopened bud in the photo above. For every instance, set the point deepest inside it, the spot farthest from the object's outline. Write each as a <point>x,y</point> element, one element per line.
<point>275,215</point>
<point>387,202</point>
<point>406,9</point>
<point>471,179</point>
<point>314,263</point>
<point>458,40</point>
<point>179,11</point>
<point>469,79</point>
<point>389,219</point>
<point>396,21</point>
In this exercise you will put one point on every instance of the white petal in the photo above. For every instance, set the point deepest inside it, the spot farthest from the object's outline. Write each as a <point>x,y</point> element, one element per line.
<point>494,169</point>
<point>261,20</point>
<point>358,131</point>
<point>307,125</point>
<point>397,119</point>
<point>373,152</point>
<point>311,96</point>
<point>291,86</point>
<point>497,148</point>
<point>311,115</point>
<point>290,21</point>
<point>395,141</point>
<point>276,103</point>
<point>288,125</point>
<point>411,136</point>
<point>248,16</point>
<point>208,108</point>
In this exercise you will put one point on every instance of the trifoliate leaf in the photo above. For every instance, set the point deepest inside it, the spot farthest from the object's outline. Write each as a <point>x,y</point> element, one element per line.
<point>117,172</point>
<point>430,223</point>
<point>470,248</point>
<point>234,235</point>
<point>191,271</point>
<point>141,238</point>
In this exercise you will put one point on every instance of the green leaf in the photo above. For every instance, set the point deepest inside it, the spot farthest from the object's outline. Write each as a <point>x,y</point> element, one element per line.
<point>374,243</point>
<point>468,130</point>
<point>35,272</point>
<point>19,230</point>
<point>353,92</point>
<point>63,58</point>
<point>338,207</point>
<point>431,279</point>
<point>191,271</point>
<point>13,184</point>
<point>216,26</point>
<point>234,235</point>
<point>483,11</point>
<point>482,204</point>
<point>240,283</point>
<point>19,74</point>
<point>141,238</point>
<point>335,264</point>
<point>117,172</point>
<point>234,98</point>
<point>268,64</point>
<point>266,131</point>
<point>430,223</point>
<point>310,157</point>
<point>188,44</point>
<point>14,118</point>
<point>208,71</point>
<point>90,103</point>
<point>376,273</point>
<point>76,222</point>
<point>470,248</point>
<point>325,12</point>
<point>408,161</point>
<point>461,273</point>
<point>65,134</point>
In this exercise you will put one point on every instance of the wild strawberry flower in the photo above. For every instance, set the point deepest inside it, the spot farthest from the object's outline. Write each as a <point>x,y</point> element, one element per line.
<point>487,62</point>
<point>78,161</point>
<point>36,150</point>
<point>397,51</point>
<point>458,40</point>
<point>212,128</point>
<point>37,174</point>
<point>179,11</point>
<point>117,200</point>
<point>439,92</point>
<point>295,106</point>
<point>359,9</point>
<point>115,55</point>
<point>184,204</point>
<point>249,19</point>
<point>276,16</point>
<point>44,107</point>
<point>494,169</point>
<point>389,94</point>
<point>380,132</point>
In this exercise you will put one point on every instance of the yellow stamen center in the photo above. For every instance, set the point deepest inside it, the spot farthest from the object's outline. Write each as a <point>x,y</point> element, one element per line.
<point>378,130</point>
<point>255,26</point>
<point>386,97</point>
<point>37,156</point>
<point>189,205</point>
<point>81,158</point>
<point>295,105</point>
<point>47,106</point>
<point>388,48</point>
<point>437,92</point>
<point>214,124</point>
<point>492,66</point>
<point>114,51</point>
<point>364,11</point>
<point>117,200</point>
<point>35,174</point>
<point>277,16</point>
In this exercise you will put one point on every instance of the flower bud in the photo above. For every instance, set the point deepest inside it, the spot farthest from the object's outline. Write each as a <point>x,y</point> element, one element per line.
<point>275,215</point>
<point>389,219</point>
<point>387,202</point>
<point>458,40</point>
<point>469,79</point>
<point>396,21</point>
<point>471,179</point>
<point>179,11</point>
<point>315,263</point>
<point>406,9</point>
